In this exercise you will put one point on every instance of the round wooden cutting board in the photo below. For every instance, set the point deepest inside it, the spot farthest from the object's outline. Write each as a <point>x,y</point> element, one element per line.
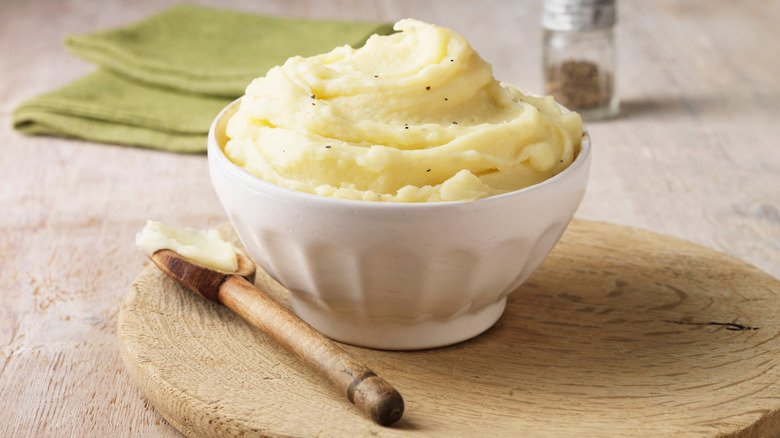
<point>620,333</point>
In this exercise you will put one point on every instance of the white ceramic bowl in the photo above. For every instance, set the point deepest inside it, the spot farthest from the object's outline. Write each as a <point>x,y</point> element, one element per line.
<point>396,275</point>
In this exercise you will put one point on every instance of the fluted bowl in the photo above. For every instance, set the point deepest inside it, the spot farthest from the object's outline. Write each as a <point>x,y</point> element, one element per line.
<point>396,275</point>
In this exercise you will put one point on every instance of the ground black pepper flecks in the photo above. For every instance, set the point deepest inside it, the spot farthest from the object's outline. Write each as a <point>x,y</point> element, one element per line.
<point>579,84</point>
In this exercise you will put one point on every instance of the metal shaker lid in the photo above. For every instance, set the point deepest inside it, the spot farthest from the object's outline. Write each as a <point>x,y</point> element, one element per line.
<point>578,15</point>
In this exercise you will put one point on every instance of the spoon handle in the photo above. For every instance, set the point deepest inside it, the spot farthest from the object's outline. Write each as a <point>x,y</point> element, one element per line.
<point>369,392</point>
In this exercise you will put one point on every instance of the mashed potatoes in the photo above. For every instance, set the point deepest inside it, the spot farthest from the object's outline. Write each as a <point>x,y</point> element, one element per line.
<point>204,247</point>
<point>415,116</point>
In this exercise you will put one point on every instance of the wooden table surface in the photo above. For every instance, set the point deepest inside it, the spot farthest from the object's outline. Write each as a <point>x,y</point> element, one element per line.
<point>695,154</point>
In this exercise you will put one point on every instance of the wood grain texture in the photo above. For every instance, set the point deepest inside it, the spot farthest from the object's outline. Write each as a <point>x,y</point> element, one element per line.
<point>693,155</point>
<point>357,383</point>
<point>620,330</point>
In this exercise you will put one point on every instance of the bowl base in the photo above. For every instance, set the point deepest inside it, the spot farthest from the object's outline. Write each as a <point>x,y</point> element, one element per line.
<point>393,335</point>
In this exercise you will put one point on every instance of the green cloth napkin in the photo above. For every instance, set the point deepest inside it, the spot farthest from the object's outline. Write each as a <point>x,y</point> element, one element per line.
<point>160,82</point>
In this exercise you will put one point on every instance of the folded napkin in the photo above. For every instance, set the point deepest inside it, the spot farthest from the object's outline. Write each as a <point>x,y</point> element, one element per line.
<point>160,82</point>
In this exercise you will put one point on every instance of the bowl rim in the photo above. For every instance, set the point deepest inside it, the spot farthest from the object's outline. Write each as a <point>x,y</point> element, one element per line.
<point>215,152</point>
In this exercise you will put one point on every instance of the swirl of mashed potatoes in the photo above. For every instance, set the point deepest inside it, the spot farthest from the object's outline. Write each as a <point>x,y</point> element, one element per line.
<point>415,116</point>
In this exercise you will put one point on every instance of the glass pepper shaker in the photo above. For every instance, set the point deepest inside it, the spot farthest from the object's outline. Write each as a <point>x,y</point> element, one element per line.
<point>578,55</point>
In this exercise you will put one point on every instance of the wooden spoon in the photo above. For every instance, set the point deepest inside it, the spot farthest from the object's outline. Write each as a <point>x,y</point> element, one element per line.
<point>369,392</point>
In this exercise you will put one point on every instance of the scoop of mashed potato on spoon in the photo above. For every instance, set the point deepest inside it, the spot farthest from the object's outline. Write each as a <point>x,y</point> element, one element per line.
<point>415,116</point>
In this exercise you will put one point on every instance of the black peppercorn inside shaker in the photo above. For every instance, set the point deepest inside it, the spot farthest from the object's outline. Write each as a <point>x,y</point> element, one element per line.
<point>578,55</point>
